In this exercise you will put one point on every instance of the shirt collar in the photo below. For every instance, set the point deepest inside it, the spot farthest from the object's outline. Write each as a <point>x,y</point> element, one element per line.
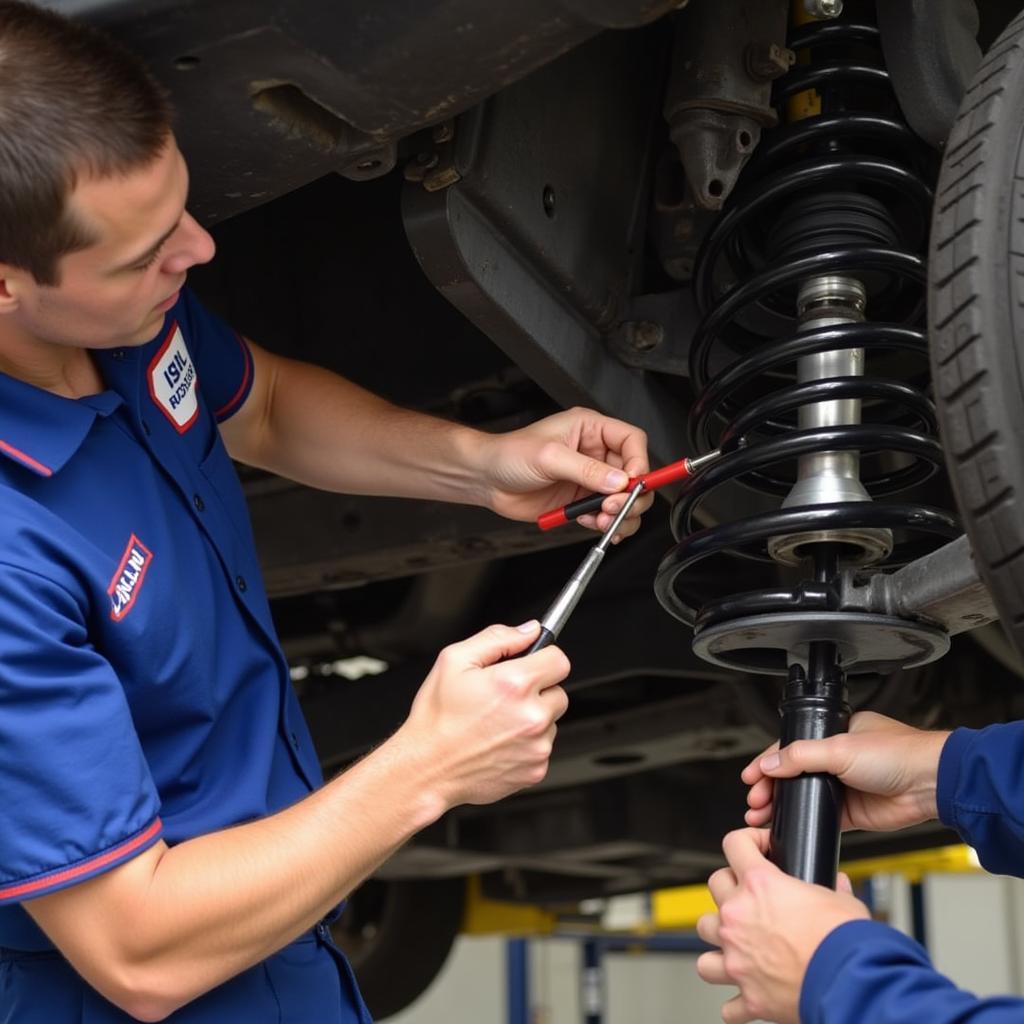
<point>41,430</point>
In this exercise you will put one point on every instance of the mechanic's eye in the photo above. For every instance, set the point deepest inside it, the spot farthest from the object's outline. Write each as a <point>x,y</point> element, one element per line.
<point>149,261</point>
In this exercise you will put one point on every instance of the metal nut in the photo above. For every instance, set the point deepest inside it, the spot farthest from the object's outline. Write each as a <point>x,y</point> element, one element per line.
<point>417,168</point>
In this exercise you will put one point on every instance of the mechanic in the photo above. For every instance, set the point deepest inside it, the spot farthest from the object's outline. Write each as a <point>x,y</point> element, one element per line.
<point>801,952</point>
<point>167,844</point>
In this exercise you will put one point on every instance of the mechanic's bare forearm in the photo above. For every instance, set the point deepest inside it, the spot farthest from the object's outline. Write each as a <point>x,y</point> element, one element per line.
<point>310,425</point>
<point>174,922</point>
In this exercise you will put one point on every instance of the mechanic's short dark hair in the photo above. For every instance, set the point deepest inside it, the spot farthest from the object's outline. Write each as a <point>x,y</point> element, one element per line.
<point>72,102</point>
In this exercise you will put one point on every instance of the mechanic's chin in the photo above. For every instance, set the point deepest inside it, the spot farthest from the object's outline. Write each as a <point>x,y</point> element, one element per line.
<point>155,318</point>
<point>171,299</point>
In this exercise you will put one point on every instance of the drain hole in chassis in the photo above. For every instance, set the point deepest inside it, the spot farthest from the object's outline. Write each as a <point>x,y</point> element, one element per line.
<point>296,113</point>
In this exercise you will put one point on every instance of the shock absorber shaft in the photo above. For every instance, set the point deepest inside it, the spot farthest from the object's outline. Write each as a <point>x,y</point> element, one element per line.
<point>808,809</point>
<point>830,476</point>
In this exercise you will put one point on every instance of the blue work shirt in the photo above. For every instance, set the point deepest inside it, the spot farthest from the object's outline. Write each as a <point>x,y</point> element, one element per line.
<point>143,691</point>
<point>866,971</point>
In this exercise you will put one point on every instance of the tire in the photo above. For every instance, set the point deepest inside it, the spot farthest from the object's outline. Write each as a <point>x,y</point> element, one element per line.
<point>397,936</point>
<point>976,319</point>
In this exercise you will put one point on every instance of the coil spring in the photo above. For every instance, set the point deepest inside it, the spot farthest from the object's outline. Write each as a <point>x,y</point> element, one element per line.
<point>832,167</point>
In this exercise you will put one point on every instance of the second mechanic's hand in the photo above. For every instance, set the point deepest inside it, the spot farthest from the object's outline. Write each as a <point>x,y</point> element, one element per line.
<point>889,770</point>
<point>767,928</point>
<point>485,724</point>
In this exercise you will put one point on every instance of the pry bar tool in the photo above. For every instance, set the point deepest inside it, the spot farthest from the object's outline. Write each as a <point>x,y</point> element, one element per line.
<point>654,479</point>
<point>558,614</point>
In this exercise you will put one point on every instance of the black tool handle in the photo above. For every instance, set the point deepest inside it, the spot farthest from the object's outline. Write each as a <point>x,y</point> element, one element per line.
<point>575,509</point>
<point>546,639</point>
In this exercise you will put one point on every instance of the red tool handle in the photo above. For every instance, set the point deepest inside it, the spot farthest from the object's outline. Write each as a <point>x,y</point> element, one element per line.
<point>592,503</point>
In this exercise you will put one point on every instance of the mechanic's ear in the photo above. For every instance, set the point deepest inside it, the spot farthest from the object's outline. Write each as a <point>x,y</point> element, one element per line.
<point>8,288</point>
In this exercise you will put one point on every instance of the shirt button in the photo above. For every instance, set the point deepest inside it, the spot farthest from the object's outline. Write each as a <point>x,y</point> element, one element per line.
<point>241,584</point>
<point>146,429</point>
<point>200,506</point>
<point>118,353</point>
<point>295,741</point>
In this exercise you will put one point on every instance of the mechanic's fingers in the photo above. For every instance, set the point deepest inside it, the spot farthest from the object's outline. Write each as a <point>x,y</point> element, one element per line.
<point>753,772</point>
<point>761,793</point>
<point>518,674</point>
<point>612,505</point>
<point>559,462</point>
<point>760,800</point>
<point>722,884</point>
<point>546,668</point>
<point>491,645</point>
<point>611,508</point>
<point>736,1011</point>
<point>711,968</point>
<point>629,441</point>
<point>708,926</point>
<point>746,849</point>
<point>757,817</point>
<point>556,700</point>
<point>832,755</point>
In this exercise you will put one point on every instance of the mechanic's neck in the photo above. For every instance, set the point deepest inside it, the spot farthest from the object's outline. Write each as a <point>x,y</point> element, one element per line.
<point>61,369</point>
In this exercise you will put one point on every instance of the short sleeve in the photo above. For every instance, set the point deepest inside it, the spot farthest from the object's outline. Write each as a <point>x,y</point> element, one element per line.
<point>78,798</point>
<point>223,359</point>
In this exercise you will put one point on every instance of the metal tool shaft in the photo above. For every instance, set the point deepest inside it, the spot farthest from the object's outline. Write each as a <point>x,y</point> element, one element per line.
<point>562,607</point>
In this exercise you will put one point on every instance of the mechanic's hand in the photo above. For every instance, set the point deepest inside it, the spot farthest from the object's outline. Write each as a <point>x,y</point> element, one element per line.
<point>565,457</point>
<point>768,926</point>
<point>889,770</point>
<point>486,725</point>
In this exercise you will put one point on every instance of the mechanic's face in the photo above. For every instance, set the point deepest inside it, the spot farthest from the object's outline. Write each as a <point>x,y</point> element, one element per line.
<point>115,292</point>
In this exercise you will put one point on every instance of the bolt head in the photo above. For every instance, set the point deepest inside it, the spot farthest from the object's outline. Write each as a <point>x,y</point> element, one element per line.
<point>645,335</point>
<point>824,8</point>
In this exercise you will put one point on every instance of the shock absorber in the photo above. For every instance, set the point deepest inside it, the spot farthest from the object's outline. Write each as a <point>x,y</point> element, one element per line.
<point>812,274</point>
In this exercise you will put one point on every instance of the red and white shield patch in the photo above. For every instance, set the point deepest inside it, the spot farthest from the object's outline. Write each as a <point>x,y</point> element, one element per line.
<point>172,381</point>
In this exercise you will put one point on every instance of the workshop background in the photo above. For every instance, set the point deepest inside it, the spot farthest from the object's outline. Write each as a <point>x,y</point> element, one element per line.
<point>632,971</point>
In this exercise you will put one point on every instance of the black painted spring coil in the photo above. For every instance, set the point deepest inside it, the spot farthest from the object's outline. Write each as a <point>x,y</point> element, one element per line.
<point>844,191</point>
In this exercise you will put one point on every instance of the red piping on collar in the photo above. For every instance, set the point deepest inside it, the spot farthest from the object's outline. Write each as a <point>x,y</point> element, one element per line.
<point>25,459</point>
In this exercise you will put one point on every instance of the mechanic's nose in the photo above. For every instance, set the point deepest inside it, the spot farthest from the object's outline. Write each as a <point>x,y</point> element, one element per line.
<point>195,246</point>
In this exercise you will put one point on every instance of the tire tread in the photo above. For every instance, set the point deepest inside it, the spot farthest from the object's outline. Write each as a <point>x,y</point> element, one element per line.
<point>977,321</point>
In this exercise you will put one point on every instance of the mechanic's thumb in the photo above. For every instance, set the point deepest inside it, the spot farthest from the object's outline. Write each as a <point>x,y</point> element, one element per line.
<point>562,463</point>
<point>803,756</point>
<point>496,643</point>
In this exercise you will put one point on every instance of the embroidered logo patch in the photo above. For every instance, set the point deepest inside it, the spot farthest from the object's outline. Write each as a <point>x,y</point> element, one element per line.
<point>127,582</point>
<point>172,381</point>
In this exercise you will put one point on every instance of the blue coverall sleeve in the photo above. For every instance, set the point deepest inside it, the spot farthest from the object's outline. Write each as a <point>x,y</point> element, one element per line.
<point>865,971</point>
<point>980,793</point>
<point>78,798</point>
<point>223,359</point>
